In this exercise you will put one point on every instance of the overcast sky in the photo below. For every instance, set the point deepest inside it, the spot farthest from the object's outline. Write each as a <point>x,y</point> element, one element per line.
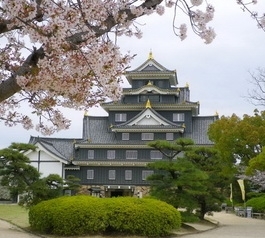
<point>217,74</point>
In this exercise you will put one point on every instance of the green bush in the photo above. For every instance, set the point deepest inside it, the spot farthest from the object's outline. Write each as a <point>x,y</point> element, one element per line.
<point>257,203</point>
<point>82,215</point>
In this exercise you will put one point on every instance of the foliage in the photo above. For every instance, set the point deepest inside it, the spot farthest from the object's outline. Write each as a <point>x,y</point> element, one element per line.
<point>72,183</point>
<point>194,181</point>
<point>72,59</point>
<point>81,215</point>
<point>20,178</point>
<point>43,189</point>
<point>258,204</point>
<point>171,149</point>
<point>177,182</point>
<point>240,142</point>
<point>17,174</point>
<point>210,162</point>
<point>188,216</point>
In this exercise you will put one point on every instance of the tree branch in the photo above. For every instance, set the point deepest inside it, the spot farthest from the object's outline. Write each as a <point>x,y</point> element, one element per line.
<point>9,86</point>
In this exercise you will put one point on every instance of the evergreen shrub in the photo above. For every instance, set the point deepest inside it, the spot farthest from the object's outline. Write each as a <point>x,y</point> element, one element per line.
<point>257,204</point>
<point>84,215</point>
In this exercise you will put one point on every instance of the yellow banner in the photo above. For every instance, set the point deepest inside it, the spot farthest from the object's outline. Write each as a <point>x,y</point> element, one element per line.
<point>242,187</point>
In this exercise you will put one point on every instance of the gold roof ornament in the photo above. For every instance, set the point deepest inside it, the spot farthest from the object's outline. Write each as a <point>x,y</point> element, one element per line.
<point>150,55</point>
<point>216,113</point>
<point>86,113</point>
<point>187,85</point>
<point>148,104</point>
<point>149,83</point>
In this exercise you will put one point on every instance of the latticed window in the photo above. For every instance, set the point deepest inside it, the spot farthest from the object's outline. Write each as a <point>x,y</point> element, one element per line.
<point>119,117</point>
<point>125,136</point>
<point>112,174</point>
<point>147,136</point>
<point>169,136</point>
<point>178,117</point>
<point>90,154</point>
<point>131,154</point>
<point>90,174</point>
<point>146,173</point>
<point>111,154</point>
<point>155,154</point>
<point>128,174</point>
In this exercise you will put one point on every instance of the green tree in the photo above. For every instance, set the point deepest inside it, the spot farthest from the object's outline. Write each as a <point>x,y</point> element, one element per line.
<point>239,140</point>
<point>209,161</point>
<point>23,179</point>
<point>176,181</point>
<point>72,183</point>
<point>43,189</point>
<point>171,149</point>
<point>17,174</point>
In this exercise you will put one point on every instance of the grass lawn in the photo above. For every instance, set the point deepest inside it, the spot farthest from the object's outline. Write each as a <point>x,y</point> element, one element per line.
<point>14,214</point>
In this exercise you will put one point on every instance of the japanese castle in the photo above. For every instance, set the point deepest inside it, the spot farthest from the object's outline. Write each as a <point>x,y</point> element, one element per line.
<point>111,156</point>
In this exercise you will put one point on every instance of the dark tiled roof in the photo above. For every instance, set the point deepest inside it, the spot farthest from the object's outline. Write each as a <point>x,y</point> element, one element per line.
<point>60,147</point>
<point>100,133</point>
<point>97,130</point>
<point>200,127</point>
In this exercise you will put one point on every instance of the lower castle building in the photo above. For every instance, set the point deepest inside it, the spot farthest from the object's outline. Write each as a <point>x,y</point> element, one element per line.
<point>111,156</point>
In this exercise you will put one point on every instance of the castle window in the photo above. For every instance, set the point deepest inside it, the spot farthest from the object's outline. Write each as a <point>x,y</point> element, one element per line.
<point>147,136</point>
<point>146,173</point>
<point>155,154</point>
<point>90,174</point>
<point>112,174</point>
<point>131,154</point>
<point>120,117</point>
<point>90,154</point>
<point>128,174</point>
<point>178,117</point>
<point>125,136</point>
<point>169,136</point>
<point>111,154</point>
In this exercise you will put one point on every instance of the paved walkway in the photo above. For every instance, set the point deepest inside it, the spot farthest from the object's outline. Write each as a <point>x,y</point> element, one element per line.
<point>230,226</point>
<point>7,230</point>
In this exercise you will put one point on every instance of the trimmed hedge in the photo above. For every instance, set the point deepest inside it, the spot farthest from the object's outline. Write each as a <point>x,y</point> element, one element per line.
<point>257,203</point>
<point>84,215</point>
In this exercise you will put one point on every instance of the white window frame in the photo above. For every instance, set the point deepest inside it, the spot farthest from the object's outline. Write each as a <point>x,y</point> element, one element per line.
<point>179,117</point>
<point>131,154</point>
<point>90,154</point>
<point>147,136</point>
<point>111,154</point>
<point>128,174</point>
<point>170,136</point>
<point>112,174</point>
<point>146,173</point>
<point>125,136</point>
<point>156,154</point>
<point>90,174</point>
<point>120,117</point>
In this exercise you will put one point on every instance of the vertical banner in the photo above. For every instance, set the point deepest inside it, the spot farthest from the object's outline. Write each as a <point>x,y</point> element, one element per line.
<point>242,187</point>
<point>231,193</point>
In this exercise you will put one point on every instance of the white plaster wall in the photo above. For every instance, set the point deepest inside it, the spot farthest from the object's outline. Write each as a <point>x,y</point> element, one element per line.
<point>45,164</point>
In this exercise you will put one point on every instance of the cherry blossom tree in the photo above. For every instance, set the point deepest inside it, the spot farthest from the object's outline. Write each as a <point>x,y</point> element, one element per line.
<point>64,53</point>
